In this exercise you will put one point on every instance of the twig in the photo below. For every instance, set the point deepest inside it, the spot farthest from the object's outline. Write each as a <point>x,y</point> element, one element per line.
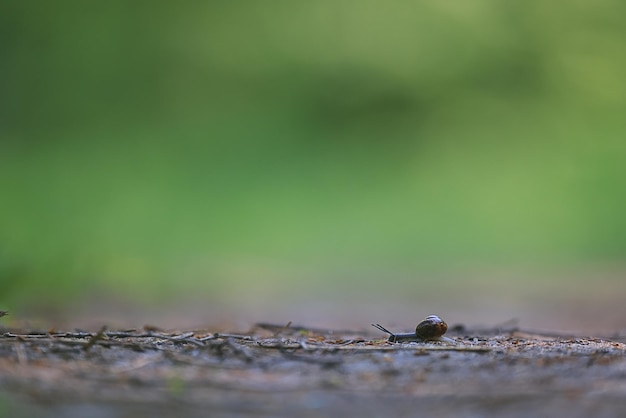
<point>235,336</point>
<point>95,338</point>
<point>281,330</point>
<point>181,336</point>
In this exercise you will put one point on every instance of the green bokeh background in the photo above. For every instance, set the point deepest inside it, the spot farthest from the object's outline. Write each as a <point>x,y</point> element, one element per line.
<point>184,148</point>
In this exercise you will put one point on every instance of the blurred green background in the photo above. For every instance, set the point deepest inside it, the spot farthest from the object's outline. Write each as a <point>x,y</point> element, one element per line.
<point>245,154</point>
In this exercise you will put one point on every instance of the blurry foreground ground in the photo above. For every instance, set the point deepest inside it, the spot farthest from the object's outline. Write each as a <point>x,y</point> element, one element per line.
<point>273,370</point>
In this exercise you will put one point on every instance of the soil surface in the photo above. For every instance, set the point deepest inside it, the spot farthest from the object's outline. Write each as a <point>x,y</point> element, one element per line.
<point>279,370</point>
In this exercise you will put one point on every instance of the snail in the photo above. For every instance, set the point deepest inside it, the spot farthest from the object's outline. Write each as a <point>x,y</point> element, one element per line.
<point>430,329</point>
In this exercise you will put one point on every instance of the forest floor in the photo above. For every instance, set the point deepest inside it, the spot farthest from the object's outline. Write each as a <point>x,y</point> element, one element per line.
<point>289,370</point>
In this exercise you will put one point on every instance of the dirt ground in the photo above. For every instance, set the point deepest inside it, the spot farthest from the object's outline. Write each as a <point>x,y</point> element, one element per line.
<point>279,370</point>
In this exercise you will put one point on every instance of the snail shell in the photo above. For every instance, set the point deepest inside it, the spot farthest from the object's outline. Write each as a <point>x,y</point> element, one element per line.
<point>431,327</point>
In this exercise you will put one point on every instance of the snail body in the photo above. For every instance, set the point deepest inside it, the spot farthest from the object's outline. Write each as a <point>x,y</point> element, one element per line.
<point>430,329</point>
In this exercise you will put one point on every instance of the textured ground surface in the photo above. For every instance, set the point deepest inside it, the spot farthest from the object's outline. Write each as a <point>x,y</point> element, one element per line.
<point>287,371</point>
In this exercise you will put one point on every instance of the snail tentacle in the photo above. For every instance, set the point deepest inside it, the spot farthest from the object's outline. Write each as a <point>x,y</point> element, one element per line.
<point>383,329</point>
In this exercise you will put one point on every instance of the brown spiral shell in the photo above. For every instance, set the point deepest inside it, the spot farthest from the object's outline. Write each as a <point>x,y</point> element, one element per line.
<point>431,327</point>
